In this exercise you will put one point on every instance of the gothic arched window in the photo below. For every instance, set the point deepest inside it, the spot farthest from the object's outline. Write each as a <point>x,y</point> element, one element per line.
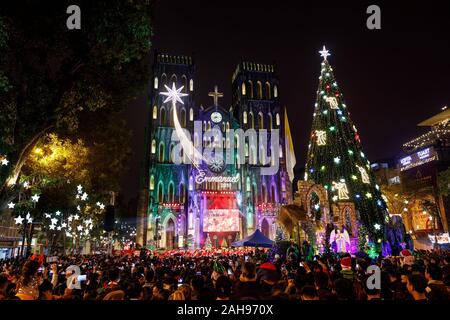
<point>251,120</point>
<point>191,114</point>
<point>250,89</point>
<point>161,152</point>
<point>243,89</point>
<point>153,146</point>
<point>274,194</point>
<point>160,193</point>
<point>260,121</point>
<point>275,91</point>
<point>183,117</point>
<point>155,83</point>
<point>155,112</point>
<point>259,90</point>
<point>171,192</point>
<point>152,182</point>
<point>182,193</point>
<point>244,117</point>
<point>191,85</point>
<point>268,92</point>
<point>278,119</point>
<point>162,116</point>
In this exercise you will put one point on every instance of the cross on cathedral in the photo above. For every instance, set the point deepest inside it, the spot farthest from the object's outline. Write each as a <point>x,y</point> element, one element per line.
<point>216,95</point>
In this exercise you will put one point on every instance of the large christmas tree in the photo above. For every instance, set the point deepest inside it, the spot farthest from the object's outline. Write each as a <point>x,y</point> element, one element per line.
<point>336,158</point>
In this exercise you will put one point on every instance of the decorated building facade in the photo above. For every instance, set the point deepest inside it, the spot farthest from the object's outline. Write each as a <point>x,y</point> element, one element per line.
<point>212,201</point>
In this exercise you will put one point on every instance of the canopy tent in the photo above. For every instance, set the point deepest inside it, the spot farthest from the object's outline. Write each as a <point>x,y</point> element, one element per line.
<point>257,239</point>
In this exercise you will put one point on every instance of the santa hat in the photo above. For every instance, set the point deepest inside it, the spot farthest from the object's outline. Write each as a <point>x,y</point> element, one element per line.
<point>346,262</point>
<point>405,253</point>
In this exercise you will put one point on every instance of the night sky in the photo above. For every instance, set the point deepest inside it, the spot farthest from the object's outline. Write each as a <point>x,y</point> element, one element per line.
<point>391,78</point>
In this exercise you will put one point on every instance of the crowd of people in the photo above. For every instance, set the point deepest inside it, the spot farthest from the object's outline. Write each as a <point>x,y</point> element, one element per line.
<point>230,275</point>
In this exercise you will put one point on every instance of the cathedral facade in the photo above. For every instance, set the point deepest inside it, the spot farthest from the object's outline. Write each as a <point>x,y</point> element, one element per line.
<point>213,202</point>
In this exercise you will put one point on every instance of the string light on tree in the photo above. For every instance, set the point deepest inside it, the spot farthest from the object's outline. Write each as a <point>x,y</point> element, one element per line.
<point>364,176</point>
<point>332,101</point>
<point>321,136</point>
<point>341,188</point>
<point>19,220</point>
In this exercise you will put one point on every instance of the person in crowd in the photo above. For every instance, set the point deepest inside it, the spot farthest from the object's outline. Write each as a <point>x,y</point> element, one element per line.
<point>436,289</point>
<point>28,284</point>
<point>227,274</point>
<point>309,293</point>
<point>416,286</point>
<point>223,288</point>
<point>247,287</point>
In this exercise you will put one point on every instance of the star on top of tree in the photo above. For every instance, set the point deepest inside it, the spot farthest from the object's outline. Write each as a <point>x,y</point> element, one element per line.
<point>19,220</point>
<point>173,94</point>
<point>324,53</point>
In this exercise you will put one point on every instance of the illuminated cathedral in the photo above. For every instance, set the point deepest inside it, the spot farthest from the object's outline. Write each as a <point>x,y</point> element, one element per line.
<point>212,203</point>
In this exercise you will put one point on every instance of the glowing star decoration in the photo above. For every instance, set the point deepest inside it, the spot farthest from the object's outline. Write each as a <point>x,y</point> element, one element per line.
<point>80,188</point>
<point>364,176</point>
<point>337,160</point>
<point>11,205</point>
<point>377,226</point>
<point>54,220</point>
<point>52,227</point>
<point>321,136</point>
<point>324,53</point>
<point>342,190</point>
<point>19,220</point>
<point>334,198</point>
<point>58,213</point>
<point>76,217</point>
<point>47,215</point>
<point>98,204</point>
<point>369,195</point>
<point>63,224</point>
<point>174,95</point>
<point>80,228</point>
<point>58,228</point>
<point>4,162</point>
<point>70,218</point>
<point>26,184</point>
<point>102,206</point>
<point>84,196</point>
<point>78,208</point>
<point>332,101</point>
<point>35,198</point>
<point>29,219</point>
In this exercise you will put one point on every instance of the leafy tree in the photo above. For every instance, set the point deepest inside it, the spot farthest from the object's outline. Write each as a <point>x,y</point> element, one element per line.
<point>51,77</point>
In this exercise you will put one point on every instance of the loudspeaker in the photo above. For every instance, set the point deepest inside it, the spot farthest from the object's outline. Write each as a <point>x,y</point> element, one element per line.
<point>108,223</point>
